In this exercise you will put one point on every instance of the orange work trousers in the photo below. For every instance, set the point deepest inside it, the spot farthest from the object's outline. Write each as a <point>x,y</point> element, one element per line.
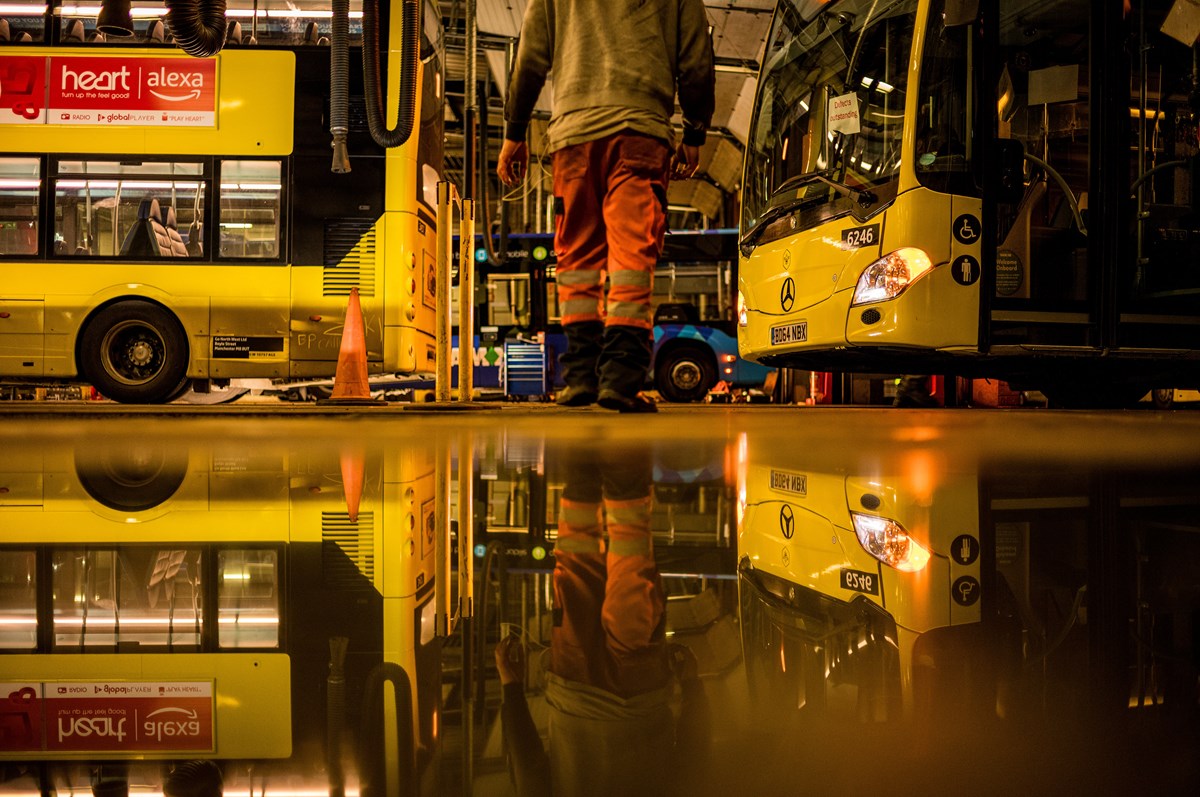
<point>609,605</point>
<point>610,199</point>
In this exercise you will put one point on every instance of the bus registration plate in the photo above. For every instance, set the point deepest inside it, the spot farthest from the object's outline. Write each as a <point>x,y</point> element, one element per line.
<point>789,333</point>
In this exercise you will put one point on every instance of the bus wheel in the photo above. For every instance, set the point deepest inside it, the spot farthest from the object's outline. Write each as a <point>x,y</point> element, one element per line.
<point>134,353</point>
<point>684,373</point>
<point>1163,397</point>
<point>134,478</point>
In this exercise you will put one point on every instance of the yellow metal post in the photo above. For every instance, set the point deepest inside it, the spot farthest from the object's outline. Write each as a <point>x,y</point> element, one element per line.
<point>466,522</point>
<point>445,212</point>
<point>466,301</point>
<point>443,587</point>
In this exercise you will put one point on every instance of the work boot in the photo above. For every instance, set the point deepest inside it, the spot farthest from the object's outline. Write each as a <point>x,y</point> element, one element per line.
<point>576,396</point>
<point>612,400</point>
<point>624,360</point>
<point>578,363</point>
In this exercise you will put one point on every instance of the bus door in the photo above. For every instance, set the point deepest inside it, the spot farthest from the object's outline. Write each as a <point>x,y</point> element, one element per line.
<point>1043,290</point>
<point>1158,285</point>
<point>1086,255</point>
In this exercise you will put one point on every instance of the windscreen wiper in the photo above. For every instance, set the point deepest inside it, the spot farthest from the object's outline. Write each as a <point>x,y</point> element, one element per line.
<point>769,215</point>
<point>863,198</point>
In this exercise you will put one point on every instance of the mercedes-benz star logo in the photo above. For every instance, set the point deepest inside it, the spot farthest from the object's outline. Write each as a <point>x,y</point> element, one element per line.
<point>787,295</point>
<point>787,521</point>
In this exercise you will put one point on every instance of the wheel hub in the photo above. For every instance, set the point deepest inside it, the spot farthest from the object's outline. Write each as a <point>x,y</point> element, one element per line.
<point>685,375</point>
<point>141,353</point>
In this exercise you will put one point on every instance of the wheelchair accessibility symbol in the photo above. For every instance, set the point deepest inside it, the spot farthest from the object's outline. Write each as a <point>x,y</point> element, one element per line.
<point>967,229</point>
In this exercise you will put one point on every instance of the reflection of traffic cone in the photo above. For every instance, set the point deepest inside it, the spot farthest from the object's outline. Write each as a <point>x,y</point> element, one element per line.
<point>350,385</point>
<point>354,465</point>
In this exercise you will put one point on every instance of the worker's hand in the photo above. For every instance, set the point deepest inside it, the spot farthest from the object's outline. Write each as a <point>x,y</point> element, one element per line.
<point>685,161</point>
<point>510,660</point>
<point>513,162</point>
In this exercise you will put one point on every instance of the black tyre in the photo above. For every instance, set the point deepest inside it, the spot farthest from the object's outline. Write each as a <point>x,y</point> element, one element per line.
<point>135,353</point>
<point>1163,397</point>
<point>685,373</point>
<point>133,477</point>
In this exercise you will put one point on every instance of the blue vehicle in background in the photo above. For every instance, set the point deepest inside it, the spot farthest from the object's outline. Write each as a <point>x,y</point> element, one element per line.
<point>695,341</point>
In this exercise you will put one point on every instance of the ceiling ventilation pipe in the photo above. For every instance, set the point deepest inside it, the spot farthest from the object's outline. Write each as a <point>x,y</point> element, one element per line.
<point>115,18</point>
<point>339,85</point>
<point>198,25</point>
<point>410,51</point>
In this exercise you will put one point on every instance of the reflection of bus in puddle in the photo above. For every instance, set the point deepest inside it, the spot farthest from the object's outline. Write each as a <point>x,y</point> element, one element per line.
<point>846,574</point>
<point>923,589</point>
<point>248,599</point>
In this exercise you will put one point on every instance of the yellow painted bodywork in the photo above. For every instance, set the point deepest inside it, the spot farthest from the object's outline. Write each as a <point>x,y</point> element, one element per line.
<point>933,507</point>
<point>254,113</point>
<point>228,495</point>
<point>51,301</point>
<point>252,694</point>
<point>934,313</point>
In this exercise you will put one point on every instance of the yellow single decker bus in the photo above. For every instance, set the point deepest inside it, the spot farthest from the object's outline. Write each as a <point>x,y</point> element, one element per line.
<point>168,221</point>
<point>985,189</point>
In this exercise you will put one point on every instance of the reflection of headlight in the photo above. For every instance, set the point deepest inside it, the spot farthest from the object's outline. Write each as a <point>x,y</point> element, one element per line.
<point>888,542</point>
<point>888,276</point>
<point>741,310</point>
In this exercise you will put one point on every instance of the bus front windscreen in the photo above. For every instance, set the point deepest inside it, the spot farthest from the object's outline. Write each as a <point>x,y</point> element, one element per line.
<point>825,136</point>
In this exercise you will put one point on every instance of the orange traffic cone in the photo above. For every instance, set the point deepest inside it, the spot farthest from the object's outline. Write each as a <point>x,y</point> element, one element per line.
<point>350,385</point>
<point>353,465</point>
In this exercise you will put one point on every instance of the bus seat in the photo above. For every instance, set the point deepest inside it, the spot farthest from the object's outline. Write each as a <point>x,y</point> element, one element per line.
<point>156,33</point>
<point>233,33</point>
<point>148,237</point>
<point>178,247</point>
<point>159,230</point>
<point>7,35</point>
<point>311,34</point>
<point>74,32</point>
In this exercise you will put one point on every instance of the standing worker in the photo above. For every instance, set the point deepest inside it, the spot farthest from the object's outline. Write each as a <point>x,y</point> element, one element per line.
<point>617,65</point>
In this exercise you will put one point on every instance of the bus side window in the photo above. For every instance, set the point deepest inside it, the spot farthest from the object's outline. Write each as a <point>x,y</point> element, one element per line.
<point>18,600</point>
<point>20,182</point>
<point>251,209</point>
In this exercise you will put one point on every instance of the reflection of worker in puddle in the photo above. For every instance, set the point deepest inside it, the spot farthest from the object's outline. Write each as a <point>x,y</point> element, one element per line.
<point>617,724</point>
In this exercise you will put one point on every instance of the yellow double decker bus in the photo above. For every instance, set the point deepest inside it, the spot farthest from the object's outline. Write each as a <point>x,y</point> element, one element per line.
<point>167,601</point>
<point>169,221</point>
<point>984,189</point>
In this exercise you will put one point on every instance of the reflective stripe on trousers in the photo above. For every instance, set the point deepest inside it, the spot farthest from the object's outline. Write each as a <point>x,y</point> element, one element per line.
<point>613,216</point>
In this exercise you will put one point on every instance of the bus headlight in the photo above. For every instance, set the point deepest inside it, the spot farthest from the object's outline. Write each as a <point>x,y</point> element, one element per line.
<point>741,310</point>
<point>888,276</point>
<point>888,542</point>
